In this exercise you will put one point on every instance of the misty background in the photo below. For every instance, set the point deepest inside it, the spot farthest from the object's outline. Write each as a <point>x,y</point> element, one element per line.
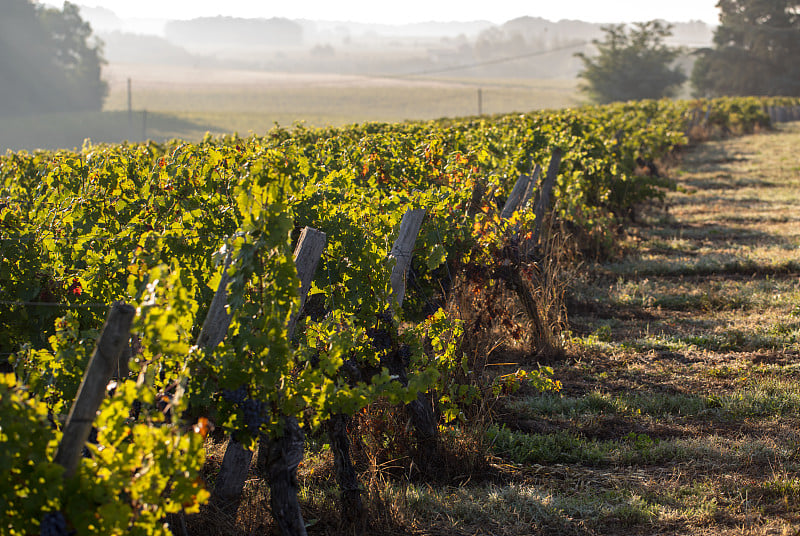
<point>183,78</point>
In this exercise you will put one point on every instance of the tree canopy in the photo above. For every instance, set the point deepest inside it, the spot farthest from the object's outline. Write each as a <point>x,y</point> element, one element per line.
<point>633,63</point>
<point>756,50</point>
<point>48,60</point>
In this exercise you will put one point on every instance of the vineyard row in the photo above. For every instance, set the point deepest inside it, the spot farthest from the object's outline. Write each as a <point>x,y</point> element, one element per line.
<point>171,228</point>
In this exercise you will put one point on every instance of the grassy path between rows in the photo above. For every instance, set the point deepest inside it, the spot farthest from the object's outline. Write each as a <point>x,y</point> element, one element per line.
<point>680,407</point>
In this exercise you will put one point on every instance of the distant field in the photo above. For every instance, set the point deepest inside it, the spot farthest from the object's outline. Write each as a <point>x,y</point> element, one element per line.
<point>69,130</point>
<point>184,102</point>
<point>244,101</point>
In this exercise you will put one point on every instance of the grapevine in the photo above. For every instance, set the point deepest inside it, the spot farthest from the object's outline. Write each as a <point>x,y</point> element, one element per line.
<point>149,224</point>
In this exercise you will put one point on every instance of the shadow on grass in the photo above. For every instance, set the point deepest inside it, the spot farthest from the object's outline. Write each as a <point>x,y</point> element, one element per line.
<point>69,130</point>
<point>711,157</point>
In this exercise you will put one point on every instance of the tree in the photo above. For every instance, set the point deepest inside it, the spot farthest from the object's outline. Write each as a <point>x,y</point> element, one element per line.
<point>47,59</point>
<point>756,50</point>
<point>632,64</point>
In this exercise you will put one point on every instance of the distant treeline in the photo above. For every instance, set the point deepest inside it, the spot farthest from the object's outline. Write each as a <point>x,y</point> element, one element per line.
<point>49,61</point>
<point>209,31</point>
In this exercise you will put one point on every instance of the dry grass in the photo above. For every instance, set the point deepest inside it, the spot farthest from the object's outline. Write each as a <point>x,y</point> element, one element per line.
<point>689,346</point>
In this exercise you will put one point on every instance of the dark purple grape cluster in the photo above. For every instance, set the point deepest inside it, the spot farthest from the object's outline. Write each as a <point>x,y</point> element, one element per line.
<point>404,353</point>
<point>136,410</point>
<point>236,396</point>
<point>85,452</point>
<point>253,414</point>
<point>381,338</point>
<point>53,524</point>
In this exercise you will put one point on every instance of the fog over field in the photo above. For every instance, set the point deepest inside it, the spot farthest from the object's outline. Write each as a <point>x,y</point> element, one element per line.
<point>526,47</point>
<point>183,78</point>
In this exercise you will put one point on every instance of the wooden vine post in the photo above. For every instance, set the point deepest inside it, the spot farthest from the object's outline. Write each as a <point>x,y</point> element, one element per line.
<point>543,198</point>
<point>346,477</point>
<point>236,462</point>
<point>420,410</point>
<point>105,360</point>
<point>478,192</point>
<point>278,458</point>
<point>521,187</point>
<point>403,250</point>
<point>535,177</point>
<point>219,316</point>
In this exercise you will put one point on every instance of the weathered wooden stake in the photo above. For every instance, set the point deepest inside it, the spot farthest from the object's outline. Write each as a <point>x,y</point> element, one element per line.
<point>236,460</point>
<point>113,340</point>
<point>218,319</point>
<point>278,458</point>
<point>515,197</point>
<point>478,191</point>
<point>543,201</point>
<point>402,251</point>
<point>420,410</point>
<point>535,177</point>
<point>307,253</point>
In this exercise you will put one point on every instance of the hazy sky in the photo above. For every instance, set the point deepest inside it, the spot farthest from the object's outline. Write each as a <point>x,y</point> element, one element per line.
<point>405,11</point>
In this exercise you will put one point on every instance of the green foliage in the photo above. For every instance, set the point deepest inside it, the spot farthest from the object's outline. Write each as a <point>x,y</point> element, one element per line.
<point>55,373</point>
<point>632,64</point>
<point>138,473</point>
<point>153,224</point>
<point>454,389</point>
<point>539,380</point>
<point>141,472</point>
<point>32,483</point>
<point>755,51</point>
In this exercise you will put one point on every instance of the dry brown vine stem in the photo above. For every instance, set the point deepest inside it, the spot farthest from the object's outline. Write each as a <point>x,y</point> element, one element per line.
<point>519,250</point>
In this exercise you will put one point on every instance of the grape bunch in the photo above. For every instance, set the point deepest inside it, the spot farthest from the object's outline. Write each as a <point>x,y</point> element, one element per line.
<point>381,338</point>
<point>236,396</point>
<point>384,317</point>
<point>404,353</point>
<point>85,452</point>
<point>53,524</point>
<point>253,414</point>
<point>136,410</point>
